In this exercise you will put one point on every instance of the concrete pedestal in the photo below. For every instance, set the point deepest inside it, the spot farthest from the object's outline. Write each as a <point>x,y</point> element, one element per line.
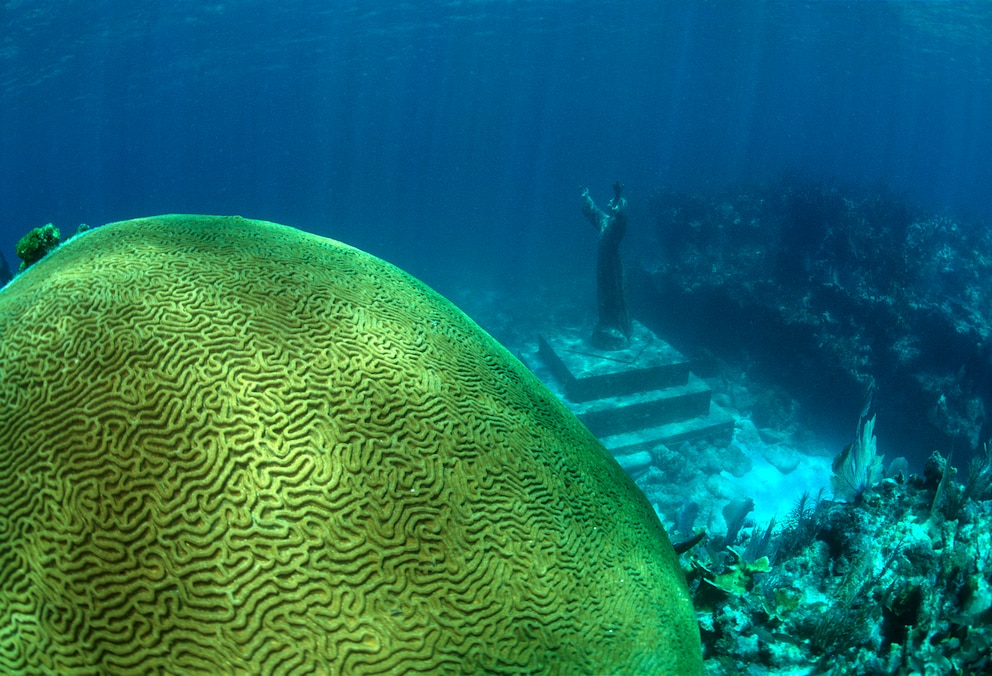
<point>632,399</point>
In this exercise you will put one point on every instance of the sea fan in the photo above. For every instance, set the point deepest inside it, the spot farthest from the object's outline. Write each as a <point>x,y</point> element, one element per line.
<point>857,468</point>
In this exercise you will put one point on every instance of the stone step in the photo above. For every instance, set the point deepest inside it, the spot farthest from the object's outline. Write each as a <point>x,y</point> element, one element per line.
<point>608,416</point>
<point>587,373</point>
<point>632,400</point>
<point>717,426</point>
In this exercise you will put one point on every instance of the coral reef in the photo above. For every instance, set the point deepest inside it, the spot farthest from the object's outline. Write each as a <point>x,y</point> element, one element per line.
<point>892,574</point>
<point>882,586</point>
<point>829,289</point>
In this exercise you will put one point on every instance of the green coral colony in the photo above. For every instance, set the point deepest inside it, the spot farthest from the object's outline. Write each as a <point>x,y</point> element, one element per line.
<point>36,244</point>
<point>230,446</point>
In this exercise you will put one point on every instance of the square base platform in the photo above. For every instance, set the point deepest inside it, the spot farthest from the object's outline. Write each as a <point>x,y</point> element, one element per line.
<point>590,373</point>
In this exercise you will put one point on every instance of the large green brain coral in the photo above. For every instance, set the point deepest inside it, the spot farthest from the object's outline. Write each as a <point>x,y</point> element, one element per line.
<point>228,446</point>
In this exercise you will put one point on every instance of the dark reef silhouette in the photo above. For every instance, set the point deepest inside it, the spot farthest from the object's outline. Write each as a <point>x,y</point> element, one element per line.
<point>827,289</point>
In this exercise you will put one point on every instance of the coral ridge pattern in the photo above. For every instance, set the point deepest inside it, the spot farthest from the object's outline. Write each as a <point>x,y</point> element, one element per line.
<point>229,446</point>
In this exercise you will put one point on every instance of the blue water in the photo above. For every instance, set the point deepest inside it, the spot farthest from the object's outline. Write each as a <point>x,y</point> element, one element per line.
<point>451,137</point>
<point>454,134</point>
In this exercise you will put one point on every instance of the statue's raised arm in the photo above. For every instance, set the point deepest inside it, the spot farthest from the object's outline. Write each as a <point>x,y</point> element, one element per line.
<point>595,215</point>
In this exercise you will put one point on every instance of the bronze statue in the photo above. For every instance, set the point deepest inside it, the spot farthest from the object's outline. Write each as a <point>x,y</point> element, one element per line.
<point>614,328</point>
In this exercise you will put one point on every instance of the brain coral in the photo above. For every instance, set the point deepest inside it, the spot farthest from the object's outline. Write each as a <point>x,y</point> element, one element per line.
<point>228,446</point>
